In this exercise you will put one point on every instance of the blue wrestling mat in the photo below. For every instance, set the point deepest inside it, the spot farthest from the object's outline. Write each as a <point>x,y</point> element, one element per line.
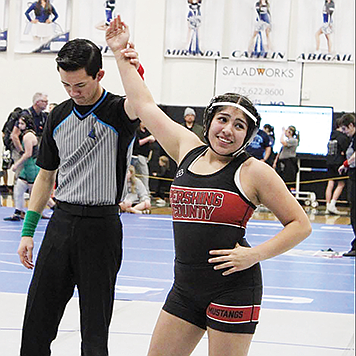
<point>307,278</point>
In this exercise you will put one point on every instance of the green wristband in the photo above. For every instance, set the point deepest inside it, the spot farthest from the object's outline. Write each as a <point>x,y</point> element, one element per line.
<point>30,223</point>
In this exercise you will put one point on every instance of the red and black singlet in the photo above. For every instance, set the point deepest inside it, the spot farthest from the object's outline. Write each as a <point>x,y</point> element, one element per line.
<point>209,211</point>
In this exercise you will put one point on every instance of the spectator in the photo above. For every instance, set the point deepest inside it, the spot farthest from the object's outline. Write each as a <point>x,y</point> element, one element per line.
<point>347,123</point>
<point>51,106</point>
<point>8,147</point>
<point>285,162</point>
<point>137,200</point>
<point>39,116</point>
<point>269,129</point>
<point>337,147</point>
<point>189,123</point>
<point>163,181</point>
<point>260,146</point>
<point>27,165</point>
<point>142,153</point>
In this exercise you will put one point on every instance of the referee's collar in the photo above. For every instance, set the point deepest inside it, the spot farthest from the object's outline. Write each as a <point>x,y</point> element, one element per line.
<point>82,111</point>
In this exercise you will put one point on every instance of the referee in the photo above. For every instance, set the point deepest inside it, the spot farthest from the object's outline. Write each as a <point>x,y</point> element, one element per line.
<point>86,146</point>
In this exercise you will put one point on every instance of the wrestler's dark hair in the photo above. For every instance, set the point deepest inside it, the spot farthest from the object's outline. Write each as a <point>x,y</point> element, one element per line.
<point>80,53</point>
<point>211,110</point>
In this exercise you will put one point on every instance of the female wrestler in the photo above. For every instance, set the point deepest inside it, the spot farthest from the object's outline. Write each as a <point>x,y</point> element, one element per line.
<point>217,284</point>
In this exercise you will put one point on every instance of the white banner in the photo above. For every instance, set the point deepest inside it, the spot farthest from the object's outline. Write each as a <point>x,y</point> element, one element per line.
<point>326,31</point>
<point>259,29</point>
<point>43,30</point>
<point>4,7</point>
<point>262,82</point>
<point>194,28</point>
<point>95,18</point>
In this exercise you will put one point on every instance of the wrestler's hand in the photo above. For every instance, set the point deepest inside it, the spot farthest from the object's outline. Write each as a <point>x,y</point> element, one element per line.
<point>131,54</point>
<point>25,251</point>
<point>117,35</point>
<point>234,260</point>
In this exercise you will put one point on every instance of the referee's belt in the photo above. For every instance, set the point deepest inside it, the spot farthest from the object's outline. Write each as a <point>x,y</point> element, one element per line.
<point>88,210</point>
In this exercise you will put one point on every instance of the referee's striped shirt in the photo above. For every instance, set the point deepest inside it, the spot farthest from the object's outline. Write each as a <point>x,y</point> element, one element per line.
<point>91,148</point>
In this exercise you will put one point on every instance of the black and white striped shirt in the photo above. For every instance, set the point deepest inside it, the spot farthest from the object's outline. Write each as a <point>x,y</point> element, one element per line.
<point>91,148</point>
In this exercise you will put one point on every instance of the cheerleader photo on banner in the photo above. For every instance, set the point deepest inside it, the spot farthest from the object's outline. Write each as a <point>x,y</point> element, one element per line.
<point>95,19</point>
<point>259,29</point>
<point>44,25</point>
<point>326,32</point>
<point>194,28</point>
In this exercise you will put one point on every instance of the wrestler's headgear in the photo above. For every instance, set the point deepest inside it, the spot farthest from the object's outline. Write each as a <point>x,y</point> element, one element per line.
<point>238,101</point>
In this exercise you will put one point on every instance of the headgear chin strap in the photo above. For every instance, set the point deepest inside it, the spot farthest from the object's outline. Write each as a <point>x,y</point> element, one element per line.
<point>248,139</point>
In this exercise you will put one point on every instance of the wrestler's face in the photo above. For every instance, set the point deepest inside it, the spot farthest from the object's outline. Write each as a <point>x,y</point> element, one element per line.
<point>81,87</point>
<point>228,130</point>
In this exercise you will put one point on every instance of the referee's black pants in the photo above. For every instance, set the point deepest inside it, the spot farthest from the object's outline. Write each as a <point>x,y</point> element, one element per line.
<point>79,249</point>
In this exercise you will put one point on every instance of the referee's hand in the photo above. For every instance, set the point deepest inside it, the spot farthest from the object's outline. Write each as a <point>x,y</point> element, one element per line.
<point>25,251</point>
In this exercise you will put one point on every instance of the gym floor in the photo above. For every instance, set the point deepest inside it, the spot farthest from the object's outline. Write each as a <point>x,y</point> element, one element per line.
<point>309,292</point>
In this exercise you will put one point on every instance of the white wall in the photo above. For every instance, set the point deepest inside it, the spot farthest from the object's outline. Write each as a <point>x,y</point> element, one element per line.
<point>172,81</point>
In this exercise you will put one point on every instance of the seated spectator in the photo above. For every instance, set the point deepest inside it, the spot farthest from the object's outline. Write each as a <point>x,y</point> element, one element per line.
<point>137,200</point>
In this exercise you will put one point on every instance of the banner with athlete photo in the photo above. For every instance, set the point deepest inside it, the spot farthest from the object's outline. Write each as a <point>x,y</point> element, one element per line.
<point>42,29</point>
<point>273,83</point>
<point>194,28</point>
<point>4,11</point>
<point>259,29</point>
<point>94,19</point>
<point>326,31</point>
